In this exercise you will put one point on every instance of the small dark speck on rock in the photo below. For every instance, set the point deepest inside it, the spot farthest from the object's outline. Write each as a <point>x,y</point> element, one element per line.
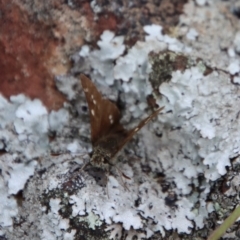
<point>84,108</point>
<point>171,199</point>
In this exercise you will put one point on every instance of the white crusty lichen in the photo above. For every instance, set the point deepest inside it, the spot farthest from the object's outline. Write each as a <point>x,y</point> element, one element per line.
<point>207,103</point>
<point>20,133</point>
<point>24,129</point>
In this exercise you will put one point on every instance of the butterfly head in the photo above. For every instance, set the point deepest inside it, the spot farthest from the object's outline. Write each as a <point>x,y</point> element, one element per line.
<point>100,158</point>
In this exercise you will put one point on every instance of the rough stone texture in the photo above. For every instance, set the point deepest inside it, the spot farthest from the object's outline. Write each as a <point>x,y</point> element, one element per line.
<point>183,167</point>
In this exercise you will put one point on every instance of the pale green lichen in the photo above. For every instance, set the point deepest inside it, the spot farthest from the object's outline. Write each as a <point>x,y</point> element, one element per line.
<point>92,220</point>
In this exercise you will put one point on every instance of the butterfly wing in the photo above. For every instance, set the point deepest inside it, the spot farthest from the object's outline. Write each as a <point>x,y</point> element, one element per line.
<point>104,115</point>
<point>132,132</point>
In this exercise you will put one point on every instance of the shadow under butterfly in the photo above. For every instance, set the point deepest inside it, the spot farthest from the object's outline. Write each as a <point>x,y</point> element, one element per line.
<point>108,136</point>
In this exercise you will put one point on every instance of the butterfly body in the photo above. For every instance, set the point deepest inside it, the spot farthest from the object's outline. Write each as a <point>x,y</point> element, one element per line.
<point>108,136</point>
<point>103,150</point>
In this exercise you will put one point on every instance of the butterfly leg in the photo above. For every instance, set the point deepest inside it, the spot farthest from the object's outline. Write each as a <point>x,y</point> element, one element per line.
<point>84,166</point>
<point>121,177</point>
<point>107,185</point>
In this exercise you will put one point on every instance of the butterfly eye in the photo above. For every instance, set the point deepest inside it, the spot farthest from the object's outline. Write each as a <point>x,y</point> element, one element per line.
<point>106,159</point>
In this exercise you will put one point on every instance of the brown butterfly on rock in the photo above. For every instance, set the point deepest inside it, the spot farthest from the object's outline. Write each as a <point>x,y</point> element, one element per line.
<point>108,136</point>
